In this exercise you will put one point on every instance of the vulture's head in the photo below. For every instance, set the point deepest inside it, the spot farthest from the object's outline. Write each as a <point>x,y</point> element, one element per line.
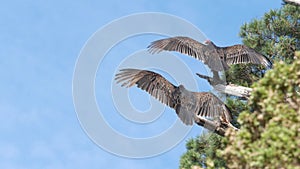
<point>181,87</point>
<point>207,41</point>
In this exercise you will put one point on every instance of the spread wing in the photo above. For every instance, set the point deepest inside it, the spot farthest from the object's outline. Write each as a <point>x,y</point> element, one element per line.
<point>237,54</point>
<point>211,106</point>
<point>158,87</point>
<point>213,56</point>
<point>191,47</point>
<point>151,82</point>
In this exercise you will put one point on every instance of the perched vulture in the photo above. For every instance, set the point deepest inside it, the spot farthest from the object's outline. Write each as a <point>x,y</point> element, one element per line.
<point>187,104</point>
<point>216,58</point>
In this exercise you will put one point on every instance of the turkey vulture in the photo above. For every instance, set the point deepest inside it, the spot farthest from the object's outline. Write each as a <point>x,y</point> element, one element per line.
<point>187,104</point>
<point>216,58</point>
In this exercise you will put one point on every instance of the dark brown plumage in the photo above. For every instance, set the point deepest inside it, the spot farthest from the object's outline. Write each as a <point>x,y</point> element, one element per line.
<point>216,58</point>
<point>187,104</point>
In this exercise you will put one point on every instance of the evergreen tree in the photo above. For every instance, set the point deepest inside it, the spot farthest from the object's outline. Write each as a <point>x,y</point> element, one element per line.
<point>198,149</point>
<point>269,137</point>
<point>277,36</point>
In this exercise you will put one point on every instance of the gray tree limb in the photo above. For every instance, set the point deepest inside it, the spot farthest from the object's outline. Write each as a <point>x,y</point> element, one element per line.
<point>294,2</point>
<point>235,90</point>
<point>213,126</point>
<point>230,89</point>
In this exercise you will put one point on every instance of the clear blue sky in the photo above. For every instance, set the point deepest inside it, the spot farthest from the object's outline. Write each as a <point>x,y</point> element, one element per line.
<point>39,44</point>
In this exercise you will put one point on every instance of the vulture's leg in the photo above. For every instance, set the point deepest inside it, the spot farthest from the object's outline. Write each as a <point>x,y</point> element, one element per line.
<point>215,80</point>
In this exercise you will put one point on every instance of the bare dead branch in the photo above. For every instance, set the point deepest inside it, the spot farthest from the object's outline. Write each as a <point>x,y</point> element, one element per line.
<point>293,2</point>
<point>230,89</point>
<point>213,126</point>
